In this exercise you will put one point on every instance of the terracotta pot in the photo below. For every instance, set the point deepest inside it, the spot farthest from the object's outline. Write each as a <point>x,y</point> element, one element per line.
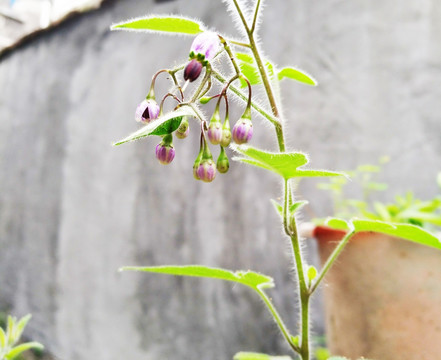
<point>382,297</point>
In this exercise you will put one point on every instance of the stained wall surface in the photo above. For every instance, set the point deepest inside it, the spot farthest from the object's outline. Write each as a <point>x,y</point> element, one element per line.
<point>73,209</point>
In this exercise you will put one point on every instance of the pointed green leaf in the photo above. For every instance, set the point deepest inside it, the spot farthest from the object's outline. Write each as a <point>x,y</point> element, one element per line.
<point>337,223</point>
<point>249,278</point>
<point>23,347</point>
<point>165,124</point>
<point>297,206</point>
<point>285,164</point>
<point>162,24</point>
<point>296,74</point>
<point>21,325</point>
<point>258,356</point>
<point>404,231</point>
<point>277,207</point>
<point>251,73</point>
<point>434,219</point>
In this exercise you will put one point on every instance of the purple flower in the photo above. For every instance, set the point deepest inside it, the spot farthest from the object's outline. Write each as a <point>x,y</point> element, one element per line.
<point>147,111</point>
<point>192,70</point>
<point>242,131</point>
<point>165,153</point>
<point>206,44</point>
<point>206,170</point>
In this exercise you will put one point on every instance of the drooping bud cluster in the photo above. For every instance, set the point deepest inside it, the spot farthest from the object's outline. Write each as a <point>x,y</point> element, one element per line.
<point>215,132</point>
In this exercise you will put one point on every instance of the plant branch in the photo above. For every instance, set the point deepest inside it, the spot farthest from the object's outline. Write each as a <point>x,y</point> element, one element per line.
<point>331,260</point>
<point>256,12</point>
<point>242,17</point>
<point>278,320</point>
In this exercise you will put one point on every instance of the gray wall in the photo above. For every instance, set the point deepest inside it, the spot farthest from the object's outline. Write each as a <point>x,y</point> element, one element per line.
<point>73,209</point>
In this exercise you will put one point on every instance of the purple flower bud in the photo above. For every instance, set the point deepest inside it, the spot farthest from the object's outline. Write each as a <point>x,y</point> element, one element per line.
<point>206,170</point>
<point>147,111</point>
<point>215,132</point>
<point>222,163</point>
<point>183,129</point>
<point>206,44</point>
<point>165,153</point>
<point>242,131</point>
<point>192,70</point>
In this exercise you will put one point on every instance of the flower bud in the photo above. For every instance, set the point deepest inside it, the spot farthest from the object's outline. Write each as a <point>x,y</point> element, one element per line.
<point>242,131</point>
<point>206,170</point>
<point>222,162</point>
<point>165,152</point>
<point>147,111</point>
<point>192,70</point>
<point>183,129</point>
<point>226,133</point>
<point>205,46</point>
<point>215,128</point>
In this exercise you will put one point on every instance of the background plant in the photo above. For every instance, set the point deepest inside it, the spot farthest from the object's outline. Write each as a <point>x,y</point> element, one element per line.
<point>248,68</point>
<point>406,208</point>
<point>10,348</point>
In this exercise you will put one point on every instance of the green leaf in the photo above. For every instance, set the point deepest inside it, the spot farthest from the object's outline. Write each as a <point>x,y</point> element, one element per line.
<point>19,327</point>
<point>277,207</point>
<point>258,356</point>
<point>322,353</point>
<point>248,278</point>
<point>247,58</point>
<point>404,231</point>
<point>296,74</point>
<point>382,211</point>
<point>297,205</point>
<point>285,164</point>
<point>162,24</point>
<point>165,124</point>
<point>251,73</point>
<point>337,223</point>
<point>2,338</point>
<point>23,347</point>
<point>434,219</point>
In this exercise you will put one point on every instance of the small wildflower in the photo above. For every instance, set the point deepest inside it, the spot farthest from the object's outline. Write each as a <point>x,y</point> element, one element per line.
<point>243,129</point>
<point>165,151</point>
<point>147,111</point>
<point>205,46</point>
<point>204,167</point>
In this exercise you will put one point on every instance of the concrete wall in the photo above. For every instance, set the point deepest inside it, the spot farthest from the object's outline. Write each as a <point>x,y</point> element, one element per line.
<point>73,209</point>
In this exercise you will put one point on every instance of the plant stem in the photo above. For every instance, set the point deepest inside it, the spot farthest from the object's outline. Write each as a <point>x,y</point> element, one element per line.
<point>256,12</point>
<point>278,319</point>
<point>243,97</point>
<point>331,260</point>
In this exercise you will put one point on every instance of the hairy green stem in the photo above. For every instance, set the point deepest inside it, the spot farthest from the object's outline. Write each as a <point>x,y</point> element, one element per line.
<point>256,12</point>
<point>278,320</point>
<point>331,260</point>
